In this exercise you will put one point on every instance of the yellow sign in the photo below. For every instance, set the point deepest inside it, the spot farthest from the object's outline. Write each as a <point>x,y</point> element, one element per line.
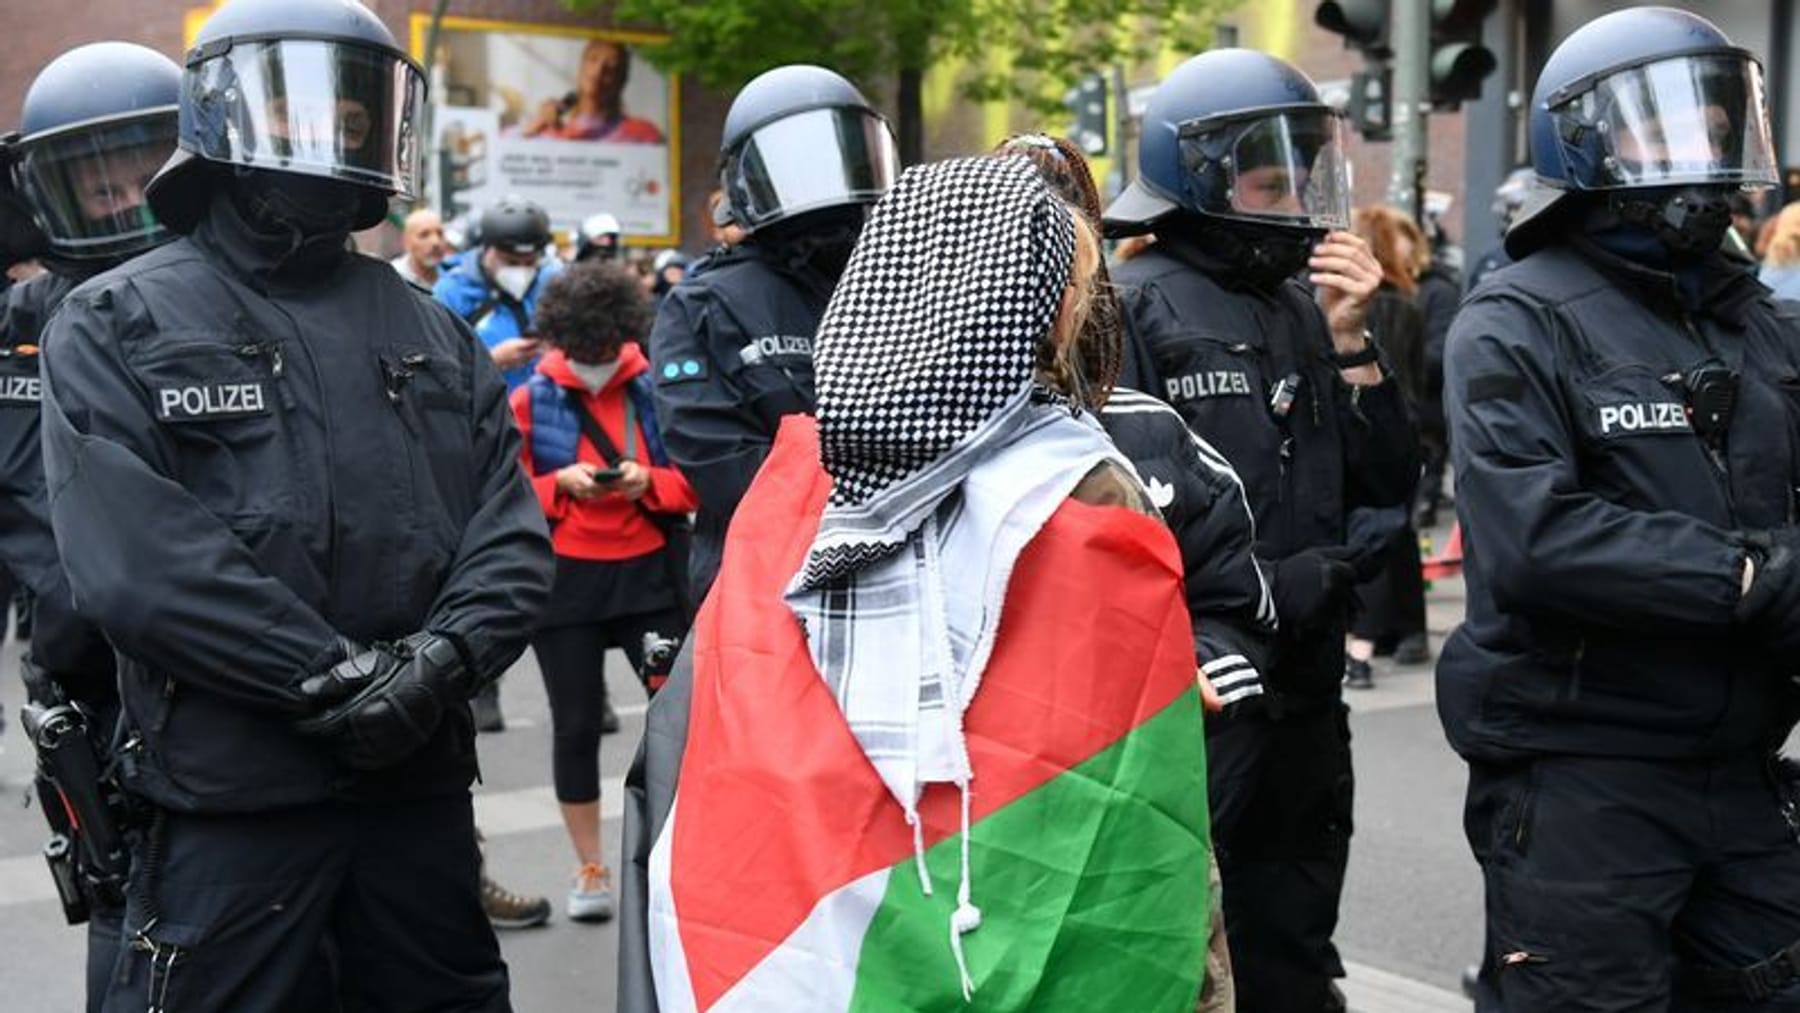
<point>193,19</point>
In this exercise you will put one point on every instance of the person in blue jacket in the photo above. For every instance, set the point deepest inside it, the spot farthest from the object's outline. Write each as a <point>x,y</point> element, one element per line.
<point>496,291</point>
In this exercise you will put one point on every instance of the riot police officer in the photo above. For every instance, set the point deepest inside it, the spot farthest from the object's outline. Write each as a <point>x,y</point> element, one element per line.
<point>1242,182</point>
<point>286,486</point>
<point>97,122</point>
<point>803,155</point>
<point>1622,403</point>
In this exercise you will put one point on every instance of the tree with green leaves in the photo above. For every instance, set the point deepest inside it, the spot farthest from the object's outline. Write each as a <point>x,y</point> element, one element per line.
<point>1030,51</point>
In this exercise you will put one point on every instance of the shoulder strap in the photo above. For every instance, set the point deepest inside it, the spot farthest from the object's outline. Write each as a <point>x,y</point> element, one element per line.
<point>591,429</point>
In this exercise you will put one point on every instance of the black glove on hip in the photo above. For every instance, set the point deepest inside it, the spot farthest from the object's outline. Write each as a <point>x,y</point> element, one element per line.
<point>1771,608</point>
<point>399,704</point>
<point>1312,589</point>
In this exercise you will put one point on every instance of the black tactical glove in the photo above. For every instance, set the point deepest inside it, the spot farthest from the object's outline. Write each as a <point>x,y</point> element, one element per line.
<point>343,672</point>
<point>399,704</point>
<point>1771,608</point>
<point>1312,589</point>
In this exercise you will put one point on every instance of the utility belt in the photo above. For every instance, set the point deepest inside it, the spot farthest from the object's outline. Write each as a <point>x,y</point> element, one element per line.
<point>82,801</point>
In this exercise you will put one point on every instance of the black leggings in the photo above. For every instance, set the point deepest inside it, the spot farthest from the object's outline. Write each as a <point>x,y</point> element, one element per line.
<point>572,659</point>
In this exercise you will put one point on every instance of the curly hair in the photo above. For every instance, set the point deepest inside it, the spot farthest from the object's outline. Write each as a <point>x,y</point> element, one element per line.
<point>592,308</point>
<point>1100,346</point>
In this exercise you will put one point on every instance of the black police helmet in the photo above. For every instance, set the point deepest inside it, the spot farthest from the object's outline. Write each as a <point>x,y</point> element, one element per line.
<point>849,154</point>
<point>516,225</point>
<point>1577,115</point>
<point>253,77</point>
<point>1189,144</point>
<point>95,124</point>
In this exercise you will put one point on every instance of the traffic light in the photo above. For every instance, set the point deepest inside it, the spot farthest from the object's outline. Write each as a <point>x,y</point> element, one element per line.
<point>1459,62</point>
<point>1362,23</point>
<point>1087,101</point>
<point>1371,106</point>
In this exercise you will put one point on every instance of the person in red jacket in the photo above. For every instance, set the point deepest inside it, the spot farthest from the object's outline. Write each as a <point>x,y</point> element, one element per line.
<point>616,509</point>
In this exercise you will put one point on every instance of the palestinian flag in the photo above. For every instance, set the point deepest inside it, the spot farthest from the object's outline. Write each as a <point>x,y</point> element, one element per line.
<point>783,875</point>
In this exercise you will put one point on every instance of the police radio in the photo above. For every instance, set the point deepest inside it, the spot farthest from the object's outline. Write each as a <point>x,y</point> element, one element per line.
<point>1710,392</point>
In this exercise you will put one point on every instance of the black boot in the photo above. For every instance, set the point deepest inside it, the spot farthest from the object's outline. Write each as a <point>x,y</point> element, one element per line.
<point>1358,674</point>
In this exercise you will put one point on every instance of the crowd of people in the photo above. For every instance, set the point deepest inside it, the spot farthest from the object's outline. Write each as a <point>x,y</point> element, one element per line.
<point>997,598</point>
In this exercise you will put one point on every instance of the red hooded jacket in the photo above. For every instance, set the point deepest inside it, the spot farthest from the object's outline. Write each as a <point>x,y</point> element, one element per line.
<point>610,526</point>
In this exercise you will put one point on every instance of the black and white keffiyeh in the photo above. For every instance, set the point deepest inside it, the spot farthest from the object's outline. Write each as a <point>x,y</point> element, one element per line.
<point>932,331</point>
<point>946,461</point>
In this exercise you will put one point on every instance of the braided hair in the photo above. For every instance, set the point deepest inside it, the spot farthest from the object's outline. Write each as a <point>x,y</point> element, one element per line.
<point>1100,347</point>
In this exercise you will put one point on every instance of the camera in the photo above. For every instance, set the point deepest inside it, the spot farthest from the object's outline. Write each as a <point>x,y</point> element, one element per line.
<point>659,658</point>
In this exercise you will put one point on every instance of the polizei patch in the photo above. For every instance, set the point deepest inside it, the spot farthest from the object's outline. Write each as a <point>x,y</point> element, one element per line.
<point>21,389</point>
<point>1643,417</point>
<point>210,401</point>
<point>1209,383</point>
<point>775,346</point>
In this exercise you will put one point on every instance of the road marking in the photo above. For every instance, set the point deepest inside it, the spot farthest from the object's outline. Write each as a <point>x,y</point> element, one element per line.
<point>1414,687</point>
<point>1372,990</point>
<point>499,813</point>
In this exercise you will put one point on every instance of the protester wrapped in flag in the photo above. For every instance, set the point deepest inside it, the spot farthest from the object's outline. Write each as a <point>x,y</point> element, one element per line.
<point>940,746</point>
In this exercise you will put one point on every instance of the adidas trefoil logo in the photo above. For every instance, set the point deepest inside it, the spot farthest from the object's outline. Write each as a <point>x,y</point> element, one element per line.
<point>1161,493</point>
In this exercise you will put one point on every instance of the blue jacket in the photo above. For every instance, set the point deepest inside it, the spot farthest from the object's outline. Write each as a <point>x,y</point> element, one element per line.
<point>494,315</point>
<point>556,429</point>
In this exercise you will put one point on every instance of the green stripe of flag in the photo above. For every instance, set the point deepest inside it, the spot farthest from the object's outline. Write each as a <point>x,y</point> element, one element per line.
<point>1093,891</point>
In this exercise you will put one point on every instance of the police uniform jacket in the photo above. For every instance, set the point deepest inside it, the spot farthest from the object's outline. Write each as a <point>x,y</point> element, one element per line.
<point>1202,499</point>
<point>1251,371</point>
<point>66,647</point>
<point>1603,557</point>
<point>244,466</point>
<point>731,353</point>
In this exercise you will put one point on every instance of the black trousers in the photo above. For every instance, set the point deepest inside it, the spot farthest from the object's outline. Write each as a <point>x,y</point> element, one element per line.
<point>1282,794</point>
<point>572,660</point>
<point>337,906</point>
<point>1607,880</point>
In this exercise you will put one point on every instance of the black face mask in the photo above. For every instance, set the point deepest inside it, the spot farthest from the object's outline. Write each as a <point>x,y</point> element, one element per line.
<point>1689,221</point>
<point>285,202</point>
<point>1261,256</point>
<point>820,241</point>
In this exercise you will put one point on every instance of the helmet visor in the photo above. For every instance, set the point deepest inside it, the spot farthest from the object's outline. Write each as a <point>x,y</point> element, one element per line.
<point>1285,169</point>
<point>1687,119</point>
<point>86,185</point>
<point>308,106</point>
<point>814,159</point>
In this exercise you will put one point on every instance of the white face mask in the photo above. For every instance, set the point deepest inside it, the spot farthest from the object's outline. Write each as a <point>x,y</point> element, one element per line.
<point>593,375</point>
<point>515,281</point>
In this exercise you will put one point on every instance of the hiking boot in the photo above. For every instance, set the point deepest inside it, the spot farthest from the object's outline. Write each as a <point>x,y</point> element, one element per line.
<point>609,719</point>
<point>1358,674</point>
<point>508,910</point>
<point>486,706</point>
<point>591,898</point>
<point>1413,649</point>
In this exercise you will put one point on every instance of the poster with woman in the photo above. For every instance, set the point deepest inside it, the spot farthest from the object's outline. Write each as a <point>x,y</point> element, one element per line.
<point>571,118</point>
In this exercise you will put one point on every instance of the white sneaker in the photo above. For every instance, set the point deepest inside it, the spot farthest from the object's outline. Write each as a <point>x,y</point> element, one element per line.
<point>591,899</point>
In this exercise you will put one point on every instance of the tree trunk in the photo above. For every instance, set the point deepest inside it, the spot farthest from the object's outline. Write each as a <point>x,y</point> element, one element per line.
<point>910,100</point>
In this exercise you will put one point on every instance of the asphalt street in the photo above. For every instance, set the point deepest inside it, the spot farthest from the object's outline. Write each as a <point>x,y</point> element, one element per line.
<point>1411,917</point>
